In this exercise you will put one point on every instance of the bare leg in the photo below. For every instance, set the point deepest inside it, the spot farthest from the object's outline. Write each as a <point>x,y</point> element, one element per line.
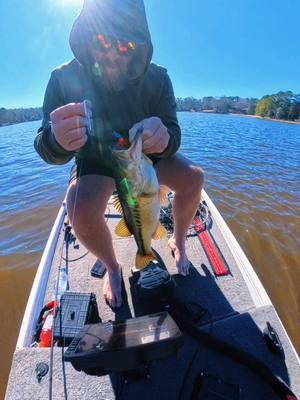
<point>186,180</point>
<point>87,199</point>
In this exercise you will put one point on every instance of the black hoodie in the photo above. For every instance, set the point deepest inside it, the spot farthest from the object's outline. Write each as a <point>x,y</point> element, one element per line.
<point>148,93</point>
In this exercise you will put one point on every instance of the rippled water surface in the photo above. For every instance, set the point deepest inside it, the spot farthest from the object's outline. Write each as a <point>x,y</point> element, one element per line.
<point>252,175</point>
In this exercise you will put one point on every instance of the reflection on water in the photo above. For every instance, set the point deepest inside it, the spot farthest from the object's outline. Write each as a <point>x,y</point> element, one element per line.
<point>252,175</point>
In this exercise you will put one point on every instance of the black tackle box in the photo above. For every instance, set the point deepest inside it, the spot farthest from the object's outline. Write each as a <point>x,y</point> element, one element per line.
<point>76,310</point>
<point>128,345</point>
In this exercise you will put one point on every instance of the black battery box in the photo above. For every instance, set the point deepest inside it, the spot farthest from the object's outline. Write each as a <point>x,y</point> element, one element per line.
<point>108,347</point>
<point>76,310</point>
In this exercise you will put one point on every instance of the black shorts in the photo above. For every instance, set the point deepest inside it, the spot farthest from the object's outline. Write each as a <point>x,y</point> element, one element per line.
<point>86,167</point>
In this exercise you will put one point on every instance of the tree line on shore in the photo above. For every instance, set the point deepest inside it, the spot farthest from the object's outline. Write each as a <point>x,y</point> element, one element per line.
<point>221,105</point>
<point>17,115</point>
<point>282,105</point>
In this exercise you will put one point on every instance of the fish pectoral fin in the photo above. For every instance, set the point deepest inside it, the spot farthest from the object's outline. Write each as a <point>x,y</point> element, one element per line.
<point>117,204</point>
<point>142,261</point>
<point>122,229</point>
<point>159,233</point>
<point>163,195</point>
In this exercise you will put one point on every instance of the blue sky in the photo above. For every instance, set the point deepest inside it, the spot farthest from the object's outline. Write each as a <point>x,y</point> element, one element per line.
<point>211,47</point>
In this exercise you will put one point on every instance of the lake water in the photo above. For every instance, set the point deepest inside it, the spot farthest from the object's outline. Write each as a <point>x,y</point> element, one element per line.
<point>252,175</point>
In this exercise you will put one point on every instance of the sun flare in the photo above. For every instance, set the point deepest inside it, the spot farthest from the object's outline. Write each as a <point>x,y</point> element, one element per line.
<point>70,2</point>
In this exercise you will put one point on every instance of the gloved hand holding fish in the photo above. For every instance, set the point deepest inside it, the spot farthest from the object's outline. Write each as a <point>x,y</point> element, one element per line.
<point>138,200</point>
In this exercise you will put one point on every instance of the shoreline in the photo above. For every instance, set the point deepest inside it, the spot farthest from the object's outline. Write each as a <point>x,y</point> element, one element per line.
<point>19,122</point>
<point>267,118</point>
<point>246,115</point>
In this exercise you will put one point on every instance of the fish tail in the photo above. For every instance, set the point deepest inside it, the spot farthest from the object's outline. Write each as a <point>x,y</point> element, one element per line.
<point>141,261</point>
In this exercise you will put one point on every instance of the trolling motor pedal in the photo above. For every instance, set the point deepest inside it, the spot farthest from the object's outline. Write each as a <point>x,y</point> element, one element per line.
<point>153,281</point>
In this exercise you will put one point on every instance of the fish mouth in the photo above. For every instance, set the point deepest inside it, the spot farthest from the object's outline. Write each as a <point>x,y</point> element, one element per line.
<point>133,140</point>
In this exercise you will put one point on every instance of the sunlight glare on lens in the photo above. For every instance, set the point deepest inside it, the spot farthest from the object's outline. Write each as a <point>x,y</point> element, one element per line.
<point>71,3</point>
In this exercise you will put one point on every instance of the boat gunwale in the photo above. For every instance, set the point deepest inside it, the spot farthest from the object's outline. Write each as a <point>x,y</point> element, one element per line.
<point>254,284</point>
<point>39,286</point>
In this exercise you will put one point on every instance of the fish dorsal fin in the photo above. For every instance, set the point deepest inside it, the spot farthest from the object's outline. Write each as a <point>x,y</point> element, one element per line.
<point>160,232</point>
<point>117,204</point>
<point>163,195</point>
<point>122,229</point>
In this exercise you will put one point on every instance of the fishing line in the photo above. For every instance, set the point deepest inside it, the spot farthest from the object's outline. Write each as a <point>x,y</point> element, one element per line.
<point>78,174</point>
<point>77,189</point>
<point>52,333</point>
<point>66,242</point>
<point>60,320</point>
<point>74,211</point>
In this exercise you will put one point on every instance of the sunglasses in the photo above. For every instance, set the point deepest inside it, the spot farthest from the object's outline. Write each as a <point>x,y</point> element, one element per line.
<point>104,43</point>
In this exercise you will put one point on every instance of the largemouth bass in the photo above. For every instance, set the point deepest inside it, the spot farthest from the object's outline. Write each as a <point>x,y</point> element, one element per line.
<point>138,197</point>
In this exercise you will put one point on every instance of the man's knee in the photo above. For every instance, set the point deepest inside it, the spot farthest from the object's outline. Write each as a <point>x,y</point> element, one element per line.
<point>84,212</point>
<point>195,178</point>
<point>85,218</point>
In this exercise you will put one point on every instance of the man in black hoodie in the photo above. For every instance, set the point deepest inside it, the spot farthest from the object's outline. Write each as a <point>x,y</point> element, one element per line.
<point>112,68</point>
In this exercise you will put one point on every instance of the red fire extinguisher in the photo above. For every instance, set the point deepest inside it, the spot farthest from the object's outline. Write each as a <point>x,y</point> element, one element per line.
<point>43,334</point>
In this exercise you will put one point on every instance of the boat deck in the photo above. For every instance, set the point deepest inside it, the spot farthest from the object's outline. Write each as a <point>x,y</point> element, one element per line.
<point>238,305</point>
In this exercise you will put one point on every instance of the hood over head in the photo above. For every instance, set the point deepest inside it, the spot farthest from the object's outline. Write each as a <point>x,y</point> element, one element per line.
<point>119,19</point>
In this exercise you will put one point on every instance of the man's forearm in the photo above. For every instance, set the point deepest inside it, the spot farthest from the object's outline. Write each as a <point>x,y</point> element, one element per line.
<point>48,148</point>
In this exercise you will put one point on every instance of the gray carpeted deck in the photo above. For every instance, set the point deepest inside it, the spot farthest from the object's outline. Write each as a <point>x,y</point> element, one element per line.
<point>234,315</point>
